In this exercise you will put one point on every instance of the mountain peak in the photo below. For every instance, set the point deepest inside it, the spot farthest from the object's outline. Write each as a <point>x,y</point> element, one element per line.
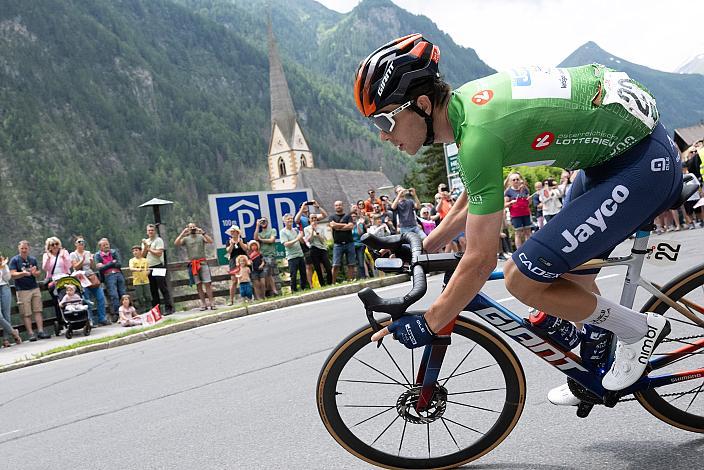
<point>590,45</point>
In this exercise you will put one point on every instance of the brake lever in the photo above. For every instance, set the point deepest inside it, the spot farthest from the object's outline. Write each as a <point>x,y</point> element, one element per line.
<point>375,325</point>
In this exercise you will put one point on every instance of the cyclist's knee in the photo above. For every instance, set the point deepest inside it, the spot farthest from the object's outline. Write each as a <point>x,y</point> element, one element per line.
<point>521,286</point>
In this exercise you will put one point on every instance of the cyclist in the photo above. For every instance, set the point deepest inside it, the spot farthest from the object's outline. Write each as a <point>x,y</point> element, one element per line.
<point>590,118</point>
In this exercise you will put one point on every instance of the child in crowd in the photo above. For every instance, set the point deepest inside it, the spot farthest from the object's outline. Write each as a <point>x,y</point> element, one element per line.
<point>128,314</point>
<point>244,277</point>
<point>140,279</point>
<point>258,280</point>
<point>71,301</point>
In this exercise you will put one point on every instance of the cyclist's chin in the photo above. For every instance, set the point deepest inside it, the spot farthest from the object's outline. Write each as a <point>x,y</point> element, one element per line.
<point>411,149</point>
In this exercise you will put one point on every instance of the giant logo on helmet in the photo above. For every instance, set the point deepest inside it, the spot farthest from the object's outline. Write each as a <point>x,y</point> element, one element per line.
<point>385,78</point>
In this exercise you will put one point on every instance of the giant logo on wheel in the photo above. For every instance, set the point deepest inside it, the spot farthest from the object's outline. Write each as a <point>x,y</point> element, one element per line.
<point>543,141</point>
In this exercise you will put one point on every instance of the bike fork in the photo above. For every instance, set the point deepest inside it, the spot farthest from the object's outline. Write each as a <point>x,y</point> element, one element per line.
<point>429,368</point>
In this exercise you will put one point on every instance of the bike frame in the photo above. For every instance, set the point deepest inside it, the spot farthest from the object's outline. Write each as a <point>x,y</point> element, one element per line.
<point>537,342</point>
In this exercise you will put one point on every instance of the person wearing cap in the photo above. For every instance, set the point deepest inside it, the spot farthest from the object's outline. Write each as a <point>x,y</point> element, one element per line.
<point>153,249</point>
<point>82,260</point>
<point>236,246</point>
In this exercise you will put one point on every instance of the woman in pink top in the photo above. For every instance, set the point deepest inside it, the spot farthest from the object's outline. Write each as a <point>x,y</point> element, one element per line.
<point>428,221</point>
<point>55,254</point>
<point>56,262</point>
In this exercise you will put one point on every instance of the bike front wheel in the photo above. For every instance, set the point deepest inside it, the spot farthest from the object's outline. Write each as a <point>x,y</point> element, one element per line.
<point>364,392</point>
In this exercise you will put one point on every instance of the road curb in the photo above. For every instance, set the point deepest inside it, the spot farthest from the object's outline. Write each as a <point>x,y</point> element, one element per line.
<point>208,319</point>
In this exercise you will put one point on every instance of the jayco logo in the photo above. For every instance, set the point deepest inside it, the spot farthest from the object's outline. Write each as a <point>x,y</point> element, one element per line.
<point>385,78</point>
<point>608,208</point>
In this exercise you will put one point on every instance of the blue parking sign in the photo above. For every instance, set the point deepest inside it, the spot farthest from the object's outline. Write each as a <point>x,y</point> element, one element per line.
<point>244,209</point>
<point>282,203</point>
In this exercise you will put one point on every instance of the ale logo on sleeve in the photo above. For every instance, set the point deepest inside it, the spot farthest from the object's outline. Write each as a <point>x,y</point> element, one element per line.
<point>481,98</point>
<point>543,141</point>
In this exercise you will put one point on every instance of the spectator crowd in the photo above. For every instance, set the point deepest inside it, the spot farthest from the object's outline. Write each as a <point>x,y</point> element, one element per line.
<point>528,211</point>
<point>320,249</point>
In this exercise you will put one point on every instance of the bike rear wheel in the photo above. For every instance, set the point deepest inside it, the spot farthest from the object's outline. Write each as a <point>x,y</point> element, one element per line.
<point>680,404</point>
<point>363,395</point>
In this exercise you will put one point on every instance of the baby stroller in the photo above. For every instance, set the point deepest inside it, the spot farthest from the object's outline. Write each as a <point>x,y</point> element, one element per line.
<point>74,315</point>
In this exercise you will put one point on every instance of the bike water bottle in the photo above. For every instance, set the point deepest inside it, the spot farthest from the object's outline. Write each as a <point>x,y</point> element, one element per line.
<point>594,349</point>
<point>561,331</point>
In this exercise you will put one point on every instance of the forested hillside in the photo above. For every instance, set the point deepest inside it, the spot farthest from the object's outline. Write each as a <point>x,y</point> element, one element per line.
<point>105,104</point>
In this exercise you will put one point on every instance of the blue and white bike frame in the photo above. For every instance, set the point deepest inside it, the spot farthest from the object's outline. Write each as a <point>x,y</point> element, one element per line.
<point>535,340</point>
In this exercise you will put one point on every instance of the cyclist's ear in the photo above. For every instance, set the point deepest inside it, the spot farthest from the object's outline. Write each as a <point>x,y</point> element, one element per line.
<point>425,103</point>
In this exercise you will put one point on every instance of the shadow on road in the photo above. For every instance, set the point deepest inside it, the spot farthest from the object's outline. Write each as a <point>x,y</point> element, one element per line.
<point>521,466</point>
<point>626,455</point>
<point>647,454</point>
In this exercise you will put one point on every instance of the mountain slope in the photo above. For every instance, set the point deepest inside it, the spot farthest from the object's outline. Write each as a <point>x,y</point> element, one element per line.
<point>105,104</point>
<point>680,97</point>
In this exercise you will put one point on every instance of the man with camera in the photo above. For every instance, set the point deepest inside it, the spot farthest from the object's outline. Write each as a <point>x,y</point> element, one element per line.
<point>314,237</point>
<point>194,239</point>
<point>302,220</point>
<point>443,201</point>
<point>406,204</point>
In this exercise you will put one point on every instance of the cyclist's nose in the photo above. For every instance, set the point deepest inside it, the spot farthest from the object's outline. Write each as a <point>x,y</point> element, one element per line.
<point>384,136</point>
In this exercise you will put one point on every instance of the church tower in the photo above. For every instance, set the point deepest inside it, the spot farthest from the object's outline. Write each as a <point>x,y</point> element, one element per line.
<point>288,148</point>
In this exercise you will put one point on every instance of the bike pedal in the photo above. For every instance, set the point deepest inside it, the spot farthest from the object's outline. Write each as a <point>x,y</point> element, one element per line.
<point>610,398</point>
<point>584,408</point>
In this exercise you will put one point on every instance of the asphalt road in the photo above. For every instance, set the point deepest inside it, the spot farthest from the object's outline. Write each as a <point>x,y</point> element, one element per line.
<point>240,394</point>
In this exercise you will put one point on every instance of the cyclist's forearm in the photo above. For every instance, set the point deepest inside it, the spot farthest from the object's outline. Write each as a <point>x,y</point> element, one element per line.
<point>469,277</point>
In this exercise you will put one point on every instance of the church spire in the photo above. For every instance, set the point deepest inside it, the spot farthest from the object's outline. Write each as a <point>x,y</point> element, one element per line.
<point>282,112</point>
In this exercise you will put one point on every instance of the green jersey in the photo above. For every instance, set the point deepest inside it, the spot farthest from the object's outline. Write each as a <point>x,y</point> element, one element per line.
<point>536,116</point>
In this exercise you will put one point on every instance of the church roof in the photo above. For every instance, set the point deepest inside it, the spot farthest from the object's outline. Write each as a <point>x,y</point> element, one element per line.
<point>347,186</point>
<point>282,111</point>
<point>686,136</point>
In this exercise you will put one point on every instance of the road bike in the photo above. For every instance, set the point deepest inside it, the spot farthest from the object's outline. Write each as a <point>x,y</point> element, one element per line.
<point>457,399</point>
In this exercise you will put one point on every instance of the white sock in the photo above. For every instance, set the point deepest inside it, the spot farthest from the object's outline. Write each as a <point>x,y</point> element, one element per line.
<point>628,325</point>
